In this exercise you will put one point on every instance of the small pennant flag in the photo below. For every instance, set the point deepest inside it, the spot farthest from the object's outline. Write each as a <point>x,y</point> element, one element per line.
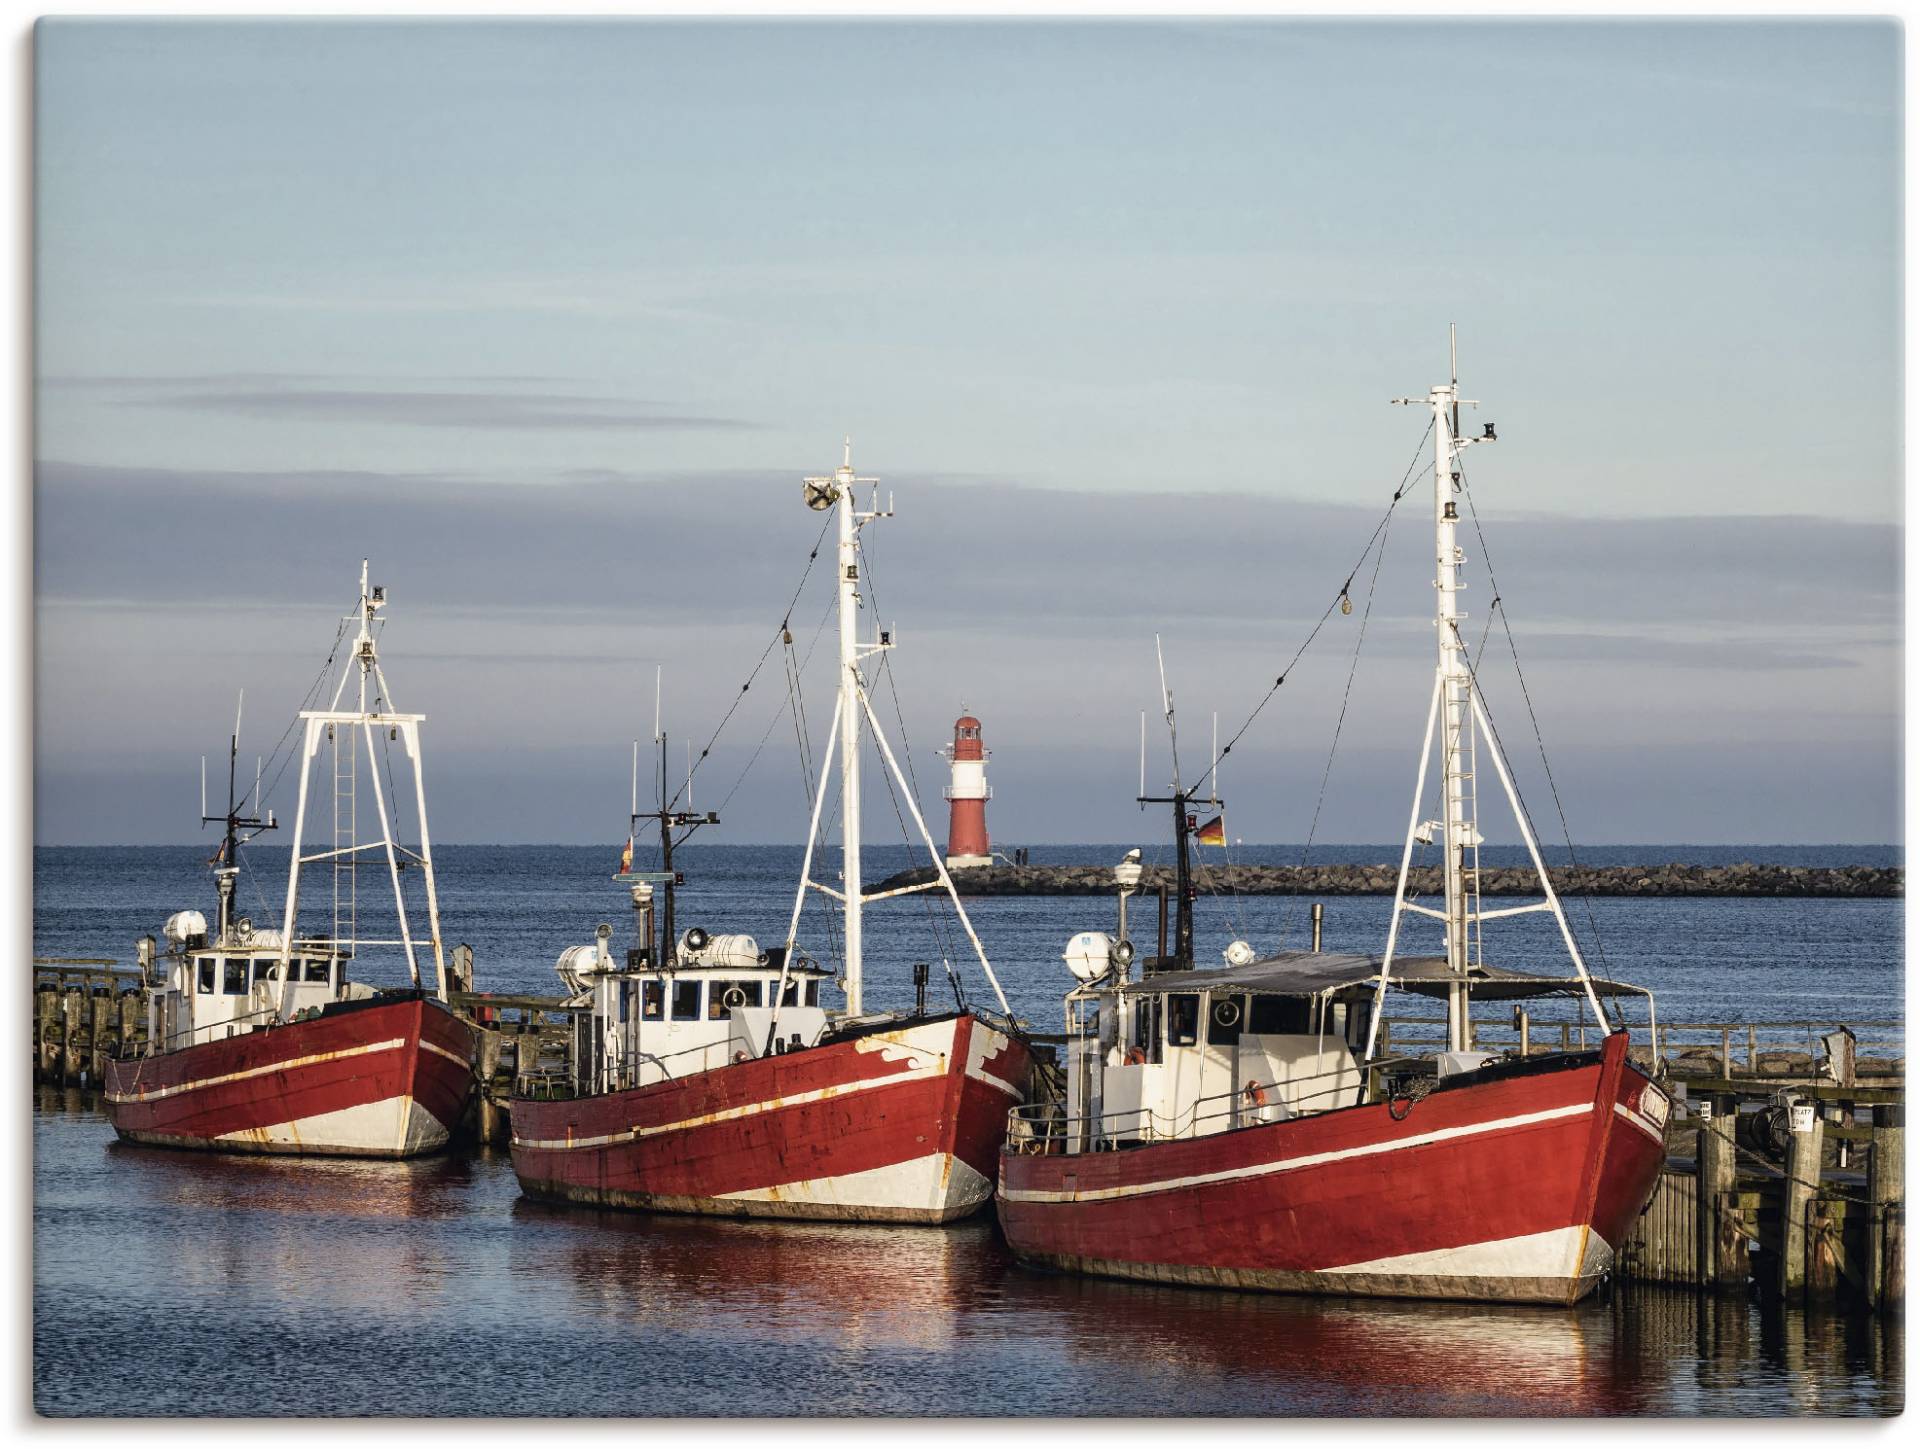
<point>1214,832</point>
<point>626,857</point>
<point>219,856</point>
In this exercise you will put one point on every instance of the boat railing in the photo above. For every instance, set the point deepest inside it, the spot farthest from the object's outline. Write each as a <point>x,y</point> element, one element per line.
<point>1727,1050</point>
<point>1045,1128</point>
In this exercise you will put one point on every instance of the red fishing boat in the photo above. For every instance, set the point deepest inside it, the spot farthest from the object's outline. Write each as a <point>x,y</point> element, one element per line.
<point>707,1077</point>
<point>257,1040</point>
<point>1246,1127</point>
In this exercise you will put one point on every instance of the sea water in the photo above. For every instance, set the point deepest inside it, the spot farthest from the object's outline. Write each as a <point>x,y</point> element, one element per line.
<point>197,1284</point>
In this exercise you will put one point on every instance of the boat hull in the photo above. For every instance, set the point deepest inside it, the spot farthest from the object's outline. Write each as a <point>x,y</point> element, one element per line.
<point>901,1125</point>
<point>1516,1188</point>
<point>382,1078</point>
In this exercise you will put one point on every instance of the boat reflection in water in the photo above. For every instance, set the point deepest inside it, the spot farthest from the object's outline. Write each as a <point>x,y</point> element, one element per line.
<point>1350,1356</point>
<point>267,1223</point>
<point>852,1285</point>
<point>430,1287</point>
<point>1109,1347</point>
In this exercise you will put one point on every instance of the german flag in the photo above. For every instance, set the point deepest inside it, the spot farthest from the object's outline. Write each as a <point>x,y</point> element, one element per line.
<point>1214,832</point>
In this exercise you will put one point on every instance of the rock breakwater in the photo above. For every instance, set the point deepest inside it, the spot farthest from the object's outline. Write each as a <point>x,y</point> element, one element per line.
<point>1743,879</point>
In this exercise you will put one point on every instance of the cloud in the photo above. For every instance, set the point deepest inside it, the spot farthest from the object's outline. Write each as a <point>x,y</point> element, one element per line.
<point>968,553</point>
<point>503,410</point>
<point>528,617</point>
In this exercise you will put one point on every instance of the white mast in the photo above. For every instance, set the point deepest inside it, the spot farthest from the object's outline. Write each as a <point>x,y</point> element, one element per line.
<point>847,703</point>
<point>1459,715</point>
<point>851,707</point>
<point>364,666</point>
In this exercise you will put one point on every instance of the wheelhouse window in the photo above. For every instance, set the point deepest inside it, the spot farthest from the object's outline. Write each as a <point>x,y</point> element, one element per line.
<point>267,970</point>
<point>317,971</point>
<point>1183,1019</point>
<point>726,995</point>
<point>1226,1018</point>
<point>653,1000</point>
<point>686,1001</point>
<point>1280,1016</point>
<point>1146,1031</point>
<point>235,979</point>
<point>791,996</point>
<point>205,963</point>
<point>813,992</point>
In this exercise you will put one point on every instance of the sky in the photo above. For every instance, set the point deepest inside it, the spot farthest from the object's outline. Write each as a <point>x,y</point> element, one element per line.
<point>549,319</point>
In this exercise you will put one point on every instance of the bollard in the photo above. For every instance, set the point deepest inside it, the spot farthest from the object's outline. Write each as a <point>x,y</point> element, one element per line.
<point>1886,1192</point>
<point>1802,1184</point>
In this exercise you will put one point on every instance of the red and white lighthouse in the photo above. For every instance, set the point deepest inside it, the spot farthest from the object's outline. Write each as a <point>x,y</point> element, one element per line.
<point>967,794</point>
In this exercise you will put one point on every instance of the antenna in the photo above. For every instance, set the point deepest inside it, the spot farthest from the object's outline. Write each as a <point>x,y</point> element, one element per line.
<point>256,782</point>
<point>203,783</point>
<point>1166,700</point>
<point>656,702</point>
<point>633,808</point>
<point>688,742</point>
<point>1453,374</point>
<point>1143,752</point>
<point>1213,774</point>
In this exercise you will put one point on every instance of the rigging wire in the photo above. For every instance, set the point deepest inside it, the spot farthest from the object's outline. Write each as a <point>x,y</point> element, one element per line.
<point>307,701</point>
<point>1377,539</point>
<point>792,703</point>
<point>1346,697</point>
<point>1539,740</point>
<point>1378,529</point>
<point>934,917</point>
<point>786,620</point>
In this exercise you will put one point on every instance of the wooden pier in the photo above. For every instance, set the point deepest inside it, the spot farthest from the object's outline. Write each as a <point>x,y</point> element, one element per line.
<point>1786,1149</point>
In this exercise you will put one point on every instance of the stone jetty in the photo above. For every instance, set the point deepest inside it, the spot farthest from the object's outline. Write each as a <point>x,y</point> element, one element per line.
<point>1744,879</point>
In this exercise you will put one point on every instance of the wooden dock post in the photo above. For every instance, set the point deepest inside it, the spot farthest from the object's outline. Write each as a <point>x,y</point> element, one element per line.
<point>99,1032</point>
<point>487,1124</point>
<point>1723,1243</point>
<point>46,1035</point>
<point>132,1013</point>
<point>1886,1222</point>
<point>71,1005</point>
<point>1804,1143</point>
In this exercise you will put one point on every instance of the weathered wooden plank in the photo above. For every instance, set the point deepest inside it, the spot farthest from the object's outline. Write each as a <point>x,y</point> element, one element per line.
<point>1804,1144</point>
<point>1886,1192</point>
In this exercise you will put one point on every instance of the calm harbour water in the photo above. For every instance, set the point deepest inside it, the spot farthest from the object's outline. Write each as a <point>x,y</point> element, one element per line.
<point>189,1284</point>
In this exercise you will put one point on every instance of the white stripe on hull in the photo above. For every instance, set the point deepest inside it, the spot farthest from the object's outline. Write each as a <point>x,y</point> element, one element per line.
<point>910,1045</point>
<point>732,1114</point>
<point>157,1094</point>
<point>1295,1164</point>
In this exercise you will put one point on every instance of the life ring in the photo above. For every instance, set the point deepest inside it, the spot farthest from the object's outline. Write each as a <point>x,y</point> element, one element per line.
<point>1136,1057</point>
<point>1226,1013</point>
<point>740,1056</point>
<point>734,997</point>
<point>1256,1094</point>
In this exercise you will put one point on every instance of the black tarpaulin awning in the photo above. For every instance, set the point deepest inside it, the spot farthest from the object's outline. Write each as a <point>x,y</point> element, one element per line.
<point>1312,973</point>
